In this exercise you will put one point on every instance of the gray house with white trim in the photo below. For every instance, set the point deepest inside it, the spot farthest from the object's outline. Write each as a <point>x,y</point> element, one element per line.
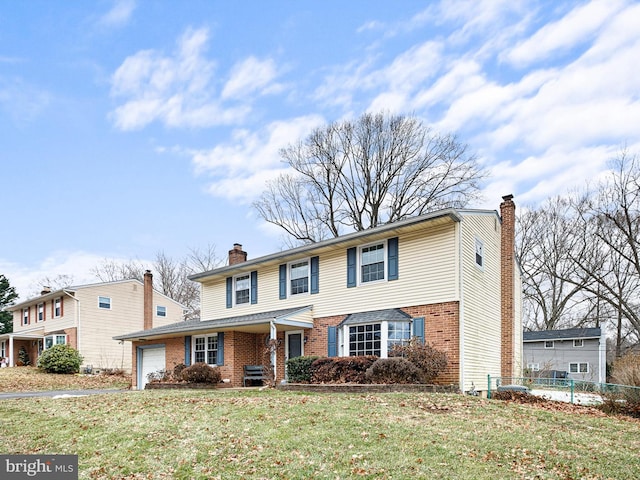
<point>579,351</point>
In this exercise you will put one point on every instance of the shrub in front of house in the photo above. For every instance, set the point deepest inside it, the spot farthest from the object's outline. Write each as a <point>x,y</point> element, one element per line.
<point>625,397</point>
<point>60,359</point>
<point>430,361</point>
<point>341,369</point>
<point>200,372</point>
<point>393,370</point>
<point>299,368</point>
<point>177,371</point>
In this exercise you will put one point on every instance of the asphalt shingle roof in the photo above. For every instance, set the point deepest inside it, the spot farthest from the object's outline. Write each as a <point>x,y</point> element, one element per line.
<point>566,334</point>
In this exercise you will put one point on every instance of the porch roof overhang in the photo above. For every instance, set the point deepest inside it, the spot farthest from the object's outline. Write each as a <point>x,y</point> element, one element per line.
<point>288,319</point>
<point>21,336</point>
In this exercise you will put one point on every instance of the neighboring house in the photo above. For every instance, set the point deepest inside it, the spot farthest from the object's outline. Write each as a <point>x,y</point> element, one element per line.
<point>87,317</point>
<point>449,277</point>
<point>579,351</point>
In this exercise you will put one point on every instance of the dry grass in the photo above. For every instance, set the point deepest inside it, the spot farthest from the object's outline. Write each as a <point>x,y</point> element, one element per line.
<point>30,379</point>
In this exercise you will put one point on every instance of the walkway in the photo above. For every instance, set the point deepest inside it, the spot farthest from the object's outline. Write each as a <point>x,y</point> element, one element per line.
<point>58,393</point>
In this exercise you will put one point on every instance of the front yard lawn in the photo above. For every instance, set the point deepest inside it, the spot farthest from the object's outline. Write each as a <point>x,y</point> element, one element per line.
<point>31,379</point>
<point>270,434</point>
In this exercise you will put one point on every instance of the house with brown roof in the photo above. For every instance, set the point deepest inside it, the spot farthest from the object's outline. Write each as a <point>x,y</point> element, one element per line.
<point>449,277</point>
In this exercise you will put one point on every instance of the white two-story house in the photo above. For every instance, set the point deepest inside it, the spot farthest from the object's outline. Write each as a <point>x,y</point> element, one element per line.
<point>449,277</point>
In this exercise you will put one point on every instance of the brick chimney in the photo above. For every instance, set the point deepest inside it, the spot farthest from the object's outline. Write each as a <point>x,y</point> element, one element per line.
<point>237,255</point>
<point>45,290</point>
<point>507,284</point>
<point>148,300</point>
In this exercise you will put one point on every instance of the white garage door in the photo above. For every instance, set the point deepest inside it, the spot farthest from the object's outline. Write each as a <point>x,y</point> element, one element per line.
<point>152,361</point>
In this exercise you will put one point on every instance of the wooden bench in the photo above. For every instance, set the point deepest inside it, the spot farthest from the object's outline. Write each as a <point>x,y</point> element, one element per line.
<point>253,372</point>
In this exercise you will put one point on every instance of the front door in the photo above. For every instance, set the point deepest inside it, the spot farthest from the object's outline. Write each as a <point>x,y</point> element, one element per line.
<point>294,344</point>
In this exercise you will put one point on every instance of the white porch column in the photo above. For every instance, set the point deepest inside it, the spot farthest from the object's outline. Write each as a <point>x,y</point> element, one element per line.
<point>11,350</point>
<point>273,336</point>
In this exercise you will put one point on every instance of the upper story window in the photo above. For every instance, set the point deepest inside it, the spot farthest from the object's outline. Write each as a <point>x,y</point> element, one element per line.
<point>161,311</point>
<point>479,253</point>
<point>40,312</point>
<point>549,344</point>
<point>299,277</point>
<point>242,286</point>
<point>57,307</point>
<point>578,342</point>
<point>372,263</point>
<point>104,302</point>
<point>25,316</point>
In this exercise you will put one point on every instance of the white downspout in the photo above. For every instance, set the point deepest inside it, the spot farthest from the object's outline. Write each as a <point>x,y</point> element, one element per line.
<point>602,358</point>
<point>461,303</point>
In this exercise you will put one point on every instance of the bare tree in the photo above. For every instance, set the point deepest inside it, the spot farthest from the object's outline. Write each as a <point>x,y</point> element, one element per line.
<point>355,175</point>
<point>54,283</point>
<point>170,276</point>
<point>554,296</point>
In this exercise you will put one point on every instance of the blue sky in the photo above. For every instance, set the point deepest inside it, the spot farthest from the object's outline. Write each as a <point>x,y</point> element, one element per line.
<point>131,127</point>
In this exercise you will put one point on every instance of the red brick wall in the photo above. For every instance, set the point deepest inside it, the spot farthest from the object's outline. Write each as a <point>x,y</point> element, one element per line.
<point>507,309</point>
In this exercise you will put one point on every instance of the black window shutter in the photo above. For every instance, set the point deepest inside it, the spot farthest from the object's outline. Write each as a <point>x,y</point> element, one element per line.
<point>229,292</point>
<point>392,260</point>
<point>283,281</point>
<point>220,358</point>
<point>351,267</point>
<point>332,345</point>
<point>315,274</point>
<point>187,350</point>
<point>254,287</point>
<point>418,328</point>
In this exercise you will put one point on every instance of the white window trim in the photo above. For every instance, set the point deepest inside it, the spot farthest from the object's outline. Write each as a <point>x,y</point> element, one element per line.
<point>577,364</point>
<point>343,338</point>
<point>552,342</point>
<point>234,290</point>
<point>534,367</point>
<point>25,316</point>
<point>580,345</point>
<point>105,308</point>
<point>385,256</point>
<point>478,243</point>
<point>59,301</point>
<point>289,277</point>
<point>158,307</point>
<point>40,309</point>
<point>206,348</point>
<point>55,340</point>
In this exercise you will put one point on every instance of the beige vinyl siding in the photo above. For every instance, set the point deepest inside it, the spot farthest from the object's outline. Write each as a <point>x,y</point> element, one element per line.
<point>428,273</point>
<point>481,289</point>
<point>98,326</point>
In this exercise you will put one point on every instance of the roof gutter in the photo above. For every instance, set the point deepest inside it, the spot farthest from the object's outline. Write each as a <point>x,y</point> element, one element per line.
<point>453,214</point>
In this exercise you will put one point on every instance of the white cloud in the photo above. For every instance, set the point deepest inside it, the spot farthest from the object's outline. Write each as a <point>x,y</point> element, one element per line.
<point>180,90</point>
<point>22,102</point>
<point>119,15</point>
<point>249,76</point>
<point>241,166</point>
<point>26,278</point>
<point>577,27</point>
